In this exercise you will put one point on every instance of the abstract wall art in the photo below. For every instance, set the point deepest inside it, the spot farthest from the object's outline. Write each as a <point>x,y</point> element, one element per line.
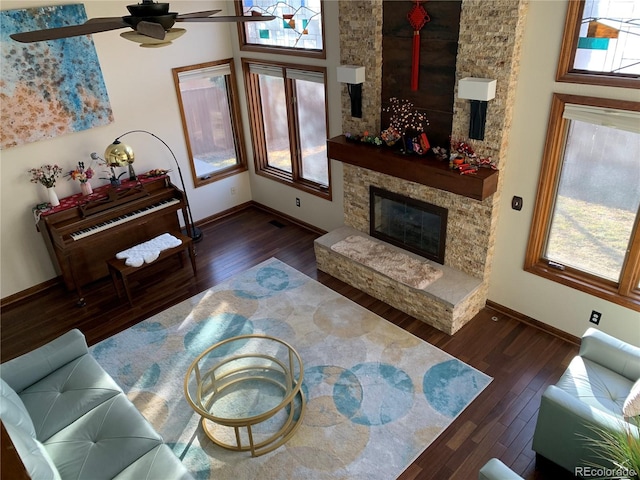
<point>48,89</point>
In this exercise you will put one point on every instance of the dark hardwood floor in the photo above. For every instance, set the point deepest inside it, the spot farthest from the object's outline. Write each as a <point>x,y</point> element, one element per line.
<point>522,359</point>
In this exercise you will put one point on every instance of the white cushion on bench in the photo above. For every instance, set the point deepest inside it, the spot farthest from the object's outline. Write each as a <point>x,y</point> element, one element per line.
<point>148,251</point>
<point>389,261</point>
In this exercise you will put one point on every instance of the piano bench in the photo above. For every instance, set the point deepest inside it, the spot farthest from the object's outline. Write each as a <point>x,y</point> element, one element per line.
<point>120,270</point>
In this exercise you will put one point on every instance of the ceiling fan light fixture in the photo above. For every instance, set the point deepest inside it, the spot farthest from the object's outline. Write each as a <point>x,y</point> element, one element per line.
<point>149,42</point>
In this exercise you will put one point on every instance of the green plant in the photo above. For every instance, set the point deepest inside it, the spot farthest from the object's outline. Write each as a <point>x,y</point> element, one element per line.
<point>619,446</point>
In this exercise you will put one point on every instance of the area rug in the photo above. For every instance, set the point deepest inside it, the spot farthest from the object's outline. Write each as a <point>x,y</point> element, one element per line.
<point>388,261</point>
<point>377,396</point>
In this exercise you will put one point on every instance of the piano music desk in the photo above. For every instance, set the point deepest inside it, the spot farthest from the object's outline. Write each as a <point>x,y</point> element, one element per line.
<point>118,268</point>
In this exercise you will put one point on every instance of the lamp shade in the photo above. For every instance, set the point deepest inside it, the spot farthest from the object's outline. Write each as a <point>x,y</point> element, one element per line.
<point>482,89</point>
<point>119,154</point>
<point>351,74</point>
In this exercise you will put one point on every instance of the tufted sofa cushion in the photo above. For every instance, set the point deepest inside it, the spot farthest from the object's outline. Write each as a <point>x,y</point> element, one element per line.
<point>104,441</point>
<point>67,394</point>
<point>595,385</point>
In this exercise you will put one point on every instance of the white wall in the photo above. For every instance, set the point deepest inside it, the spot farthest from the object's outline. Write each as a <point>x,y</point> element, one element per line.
<point>140,86</point>
<point>541,299</point>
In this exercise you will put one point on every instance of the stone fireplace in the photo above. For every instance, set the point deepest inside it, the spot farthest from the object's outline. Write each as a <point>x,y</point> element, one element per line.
<point>489,41</point>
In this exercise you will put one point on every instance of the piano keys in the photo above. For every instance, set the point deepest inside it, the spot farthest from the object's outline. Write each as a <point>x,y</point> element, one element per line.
<point>81,235</point>
<point>127,217</point>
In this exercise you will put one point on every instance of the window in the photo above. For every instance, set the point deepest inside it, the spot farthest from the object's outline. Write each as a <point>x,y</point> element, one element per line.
<point>586,224</point>
<point>601,43</point>
<point>289,124</point>
<point>296,30</point>
<point>210,119</point>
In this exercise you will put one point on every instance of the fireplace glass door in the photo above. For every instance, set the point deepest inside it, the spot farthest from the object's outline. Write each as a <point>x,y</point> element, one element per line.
<point>413,225</point>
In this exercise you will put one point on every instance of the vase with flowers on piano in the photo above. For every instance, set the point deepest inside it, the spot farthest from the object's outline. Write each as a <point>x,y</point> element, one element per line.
<point>46,175</point>
<point>83,176</point>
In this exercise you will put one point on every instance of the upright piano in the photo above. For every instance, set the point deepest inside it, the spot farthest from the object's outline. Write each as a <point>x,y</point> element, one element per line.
<point>82,233</point>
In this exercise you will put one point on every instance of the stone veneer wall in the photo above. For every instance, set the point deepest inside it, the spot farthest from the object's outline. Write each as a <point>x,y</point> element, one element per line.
<point>361,44</point>
<point>490,41</point>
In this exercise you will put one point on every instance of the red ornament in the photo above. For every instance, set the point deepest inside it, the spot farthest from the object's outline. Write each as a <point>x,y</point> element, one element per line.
<point>417,17</point>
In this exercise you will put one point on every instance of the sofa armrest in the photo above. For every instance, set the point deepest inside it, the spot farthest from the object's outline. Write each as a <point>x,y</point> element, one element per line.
<point>494,469</point>
<point>565,423</point>
<point>11,465</point>
<point>27,369</point>
<point>612,353</point>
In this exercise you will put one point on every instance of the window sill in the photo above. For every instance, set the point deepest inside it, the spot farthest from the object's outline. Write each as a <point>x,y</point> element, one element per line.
<point>285,178</point>
<point>219,175</point>
<point>590,285</point>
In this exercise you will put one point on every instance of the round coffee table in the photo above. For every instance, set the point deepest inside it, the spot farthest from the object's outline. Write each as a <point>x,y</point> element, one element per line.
<point>250,382</point>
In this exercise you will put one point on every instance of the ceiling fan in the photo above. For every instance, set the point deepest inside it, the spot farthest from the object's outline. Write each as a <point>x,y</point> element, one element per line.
<point>151,21</point>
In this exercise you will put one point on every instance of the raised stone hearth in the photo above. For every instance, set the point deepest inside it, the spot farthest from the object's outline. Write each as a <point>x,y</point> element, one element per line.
<point>446,304</point>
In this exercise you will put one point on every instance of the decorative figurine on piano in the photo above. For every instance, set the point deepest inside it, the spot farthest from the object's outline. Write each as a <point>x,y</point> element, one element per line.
<point>113,178</point>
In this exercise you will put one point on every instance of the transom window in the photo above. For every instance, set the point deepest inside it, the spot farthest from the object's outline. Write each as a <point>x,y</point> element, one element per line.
<point>287,105</point>
<point>210,119</point>
<point>296,30</point>
<point>586,226</point>
<point>601,43</point>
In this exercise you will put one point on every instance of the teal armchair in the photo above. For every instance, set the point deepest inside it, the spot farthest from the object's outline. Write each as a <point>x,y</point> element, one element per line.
<point>590,394</point>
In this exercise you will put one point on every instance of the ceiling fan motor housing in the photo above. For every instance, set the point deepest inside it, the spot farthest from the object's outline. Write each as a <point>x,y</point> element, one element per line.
<point>148,9</point>
<point>167,21</point>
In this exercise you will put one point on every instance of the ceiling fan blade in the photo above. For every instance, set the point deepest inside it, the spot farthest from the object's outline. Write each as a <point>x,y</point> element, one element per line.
<point>206,13</point>
<point>86,28</point>
<point>105,20</point>
<point>151,29</point>
<point>238,18</point>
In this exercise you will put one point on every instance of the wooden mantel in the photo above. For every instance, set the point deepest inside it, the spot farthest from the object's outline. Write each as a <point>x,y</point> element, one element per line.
<point>426,171</point>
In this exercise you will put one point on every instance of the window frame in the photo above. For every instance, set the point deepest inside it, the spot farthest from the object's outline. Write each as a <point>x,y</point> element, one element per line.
<point>566,72</point>
<point>275,49</point>
<point>236,123</point>
<point>258,140</point>
<point>626,292</point>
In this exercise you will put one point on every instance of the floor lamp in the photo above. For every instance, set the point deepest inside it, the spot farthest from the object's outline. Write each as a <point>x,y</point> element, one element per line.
<point>122,151</point>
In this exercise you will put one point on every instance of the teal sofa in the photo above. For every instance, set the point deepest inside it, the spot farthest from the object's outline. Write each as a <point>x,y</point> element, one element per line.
<point>68,419</point>
<point>590,394</point>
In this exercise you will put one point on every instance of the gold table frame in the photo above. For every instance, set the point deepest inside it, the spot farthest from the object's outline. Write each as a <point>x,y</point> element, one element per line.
<point>204,384</point>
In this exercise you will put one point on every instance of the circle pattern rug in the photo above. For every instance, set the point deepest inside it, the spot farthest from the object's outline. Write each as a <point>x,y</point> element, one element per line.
<point>377,396</point>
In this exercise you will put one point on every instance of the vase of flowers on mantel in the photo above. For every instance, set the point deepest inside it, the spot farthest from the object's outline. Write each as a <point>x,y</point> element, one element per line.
<point>83,176</point>
<point>46,175</point>
<point>408,124</point>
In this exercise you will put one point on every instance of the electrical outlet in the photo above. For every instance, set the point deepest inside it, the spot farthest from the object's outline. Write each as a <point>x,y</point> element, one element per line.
<point>595,317</point>
<point>516,203</point>
<point>233,190</point>
<point>297,202</point>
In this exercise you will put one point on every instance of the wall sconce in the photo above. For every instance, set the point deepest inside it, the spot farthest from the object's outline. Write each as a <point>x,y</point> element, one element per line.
<point>479,91</point>
<point>353,76</point>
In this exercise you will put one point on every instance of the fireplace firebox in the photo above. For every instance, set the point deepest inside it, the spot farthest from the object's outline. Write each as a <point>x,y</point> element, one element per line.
<point>411,224</point>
